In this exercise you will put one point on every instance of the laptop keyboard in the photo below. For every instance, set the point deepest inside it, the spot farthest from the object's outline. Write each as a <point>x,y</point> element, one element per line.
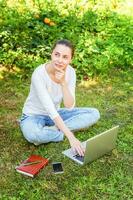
<point>80,158</point>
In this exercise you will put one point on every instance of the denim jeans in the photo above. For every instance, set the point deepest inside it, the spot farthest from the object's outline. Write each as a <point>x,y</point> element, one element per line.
<point>41,129</point>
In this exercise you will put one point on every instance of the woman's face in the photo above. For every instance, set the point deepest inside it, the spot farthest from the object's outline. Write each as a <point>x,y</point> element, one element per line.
<point>61,57</point>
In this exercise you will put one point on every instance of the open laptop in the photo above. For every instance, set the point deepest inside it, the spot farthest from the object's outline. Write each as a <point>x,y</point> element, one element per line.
<point>95,147</point>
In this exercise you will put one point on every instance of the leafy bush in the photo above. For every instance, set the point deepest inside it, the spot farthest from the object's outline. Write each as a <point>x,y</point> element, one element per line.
<point>101,35</point>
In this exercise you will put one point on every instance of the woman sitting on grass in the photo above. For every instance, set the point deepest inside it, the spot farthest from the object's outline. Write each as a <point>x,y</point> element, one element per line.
<point>43,120</point>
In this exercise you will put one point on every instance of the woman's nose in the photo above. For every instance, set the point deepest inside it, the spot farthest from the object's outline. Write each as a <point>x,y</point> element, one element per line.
<point>60,59</point>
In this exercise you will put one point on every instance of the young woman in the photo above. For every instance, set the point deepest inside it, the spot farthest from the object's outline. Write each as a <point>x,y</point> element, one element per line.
<point>43,120</point>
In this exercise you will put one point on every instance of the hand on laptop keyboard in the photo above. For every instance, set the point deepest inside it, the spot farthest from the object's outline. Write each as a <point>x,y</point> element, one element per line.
<point>76,146</point>
<point>78,157</point>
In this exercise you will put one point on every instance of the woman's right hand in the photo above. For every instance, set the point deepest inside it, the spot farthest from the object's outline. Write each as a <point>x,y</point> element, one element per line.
<point>74,142</point>
<point>76,146</point>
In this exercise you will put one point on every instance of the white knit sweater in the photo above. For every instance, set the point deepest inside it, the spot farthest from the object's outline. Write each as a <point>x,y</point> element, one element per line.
<point>45,95</point>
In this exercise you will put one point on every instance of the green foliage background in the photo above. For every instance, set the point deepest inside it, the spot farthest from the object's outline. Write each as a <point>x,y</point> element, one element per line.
<point>101,31</point>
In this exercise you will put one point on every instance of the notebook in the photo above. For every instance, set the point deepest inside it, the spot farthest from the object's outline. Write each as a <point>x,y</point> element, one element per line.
<point>32,165</point>
<point>95,147</point>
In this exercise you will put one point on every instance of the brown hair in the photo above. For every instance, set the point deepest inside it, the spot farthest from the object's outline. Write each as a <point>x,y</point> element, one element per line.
<point>66,43</point>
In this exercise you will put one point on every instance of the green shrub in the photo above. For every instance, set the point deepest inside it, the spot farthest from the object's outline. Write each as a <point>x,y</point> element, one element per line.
<point>102,36</point>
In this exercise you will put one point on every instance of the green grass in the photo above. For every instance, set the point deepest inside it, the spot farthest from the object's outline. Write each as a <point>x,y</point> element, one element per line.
<point>109,177</point>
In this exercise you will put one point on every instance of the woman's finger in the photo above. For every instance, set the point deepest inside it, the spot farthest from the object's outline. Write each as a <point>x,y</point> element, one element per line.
<point>59,74</point>
<point>80,152</point>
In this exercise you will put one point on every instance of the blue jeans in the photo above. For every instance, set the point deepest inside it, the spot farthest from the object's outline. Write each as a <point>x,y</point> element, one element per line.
<point>41,129</point>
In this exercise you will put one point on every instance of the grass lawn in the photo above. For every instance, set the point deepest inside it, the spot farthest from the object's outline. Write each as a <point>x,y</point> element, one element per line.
<point>108,178</point>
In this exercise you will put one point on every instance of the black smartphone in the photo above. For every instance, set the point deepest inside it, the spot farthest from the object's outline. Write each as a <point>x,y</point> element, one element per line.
<point>57,168</point>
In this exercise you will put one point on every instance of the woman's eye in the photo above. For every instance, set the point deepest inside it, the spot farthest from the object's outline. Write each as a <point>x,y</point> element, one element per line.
<point>65,57</point>
<point>56,54</point>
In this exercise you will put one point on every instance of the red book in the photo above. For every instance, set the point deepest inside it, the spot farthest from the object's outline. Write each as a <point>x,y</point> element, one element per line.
<point>32,165</point>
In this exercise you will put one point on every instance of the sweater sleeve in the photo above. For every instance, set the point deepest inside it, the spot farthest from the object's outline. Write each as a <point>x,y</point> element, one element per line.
<point>39,85</point>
